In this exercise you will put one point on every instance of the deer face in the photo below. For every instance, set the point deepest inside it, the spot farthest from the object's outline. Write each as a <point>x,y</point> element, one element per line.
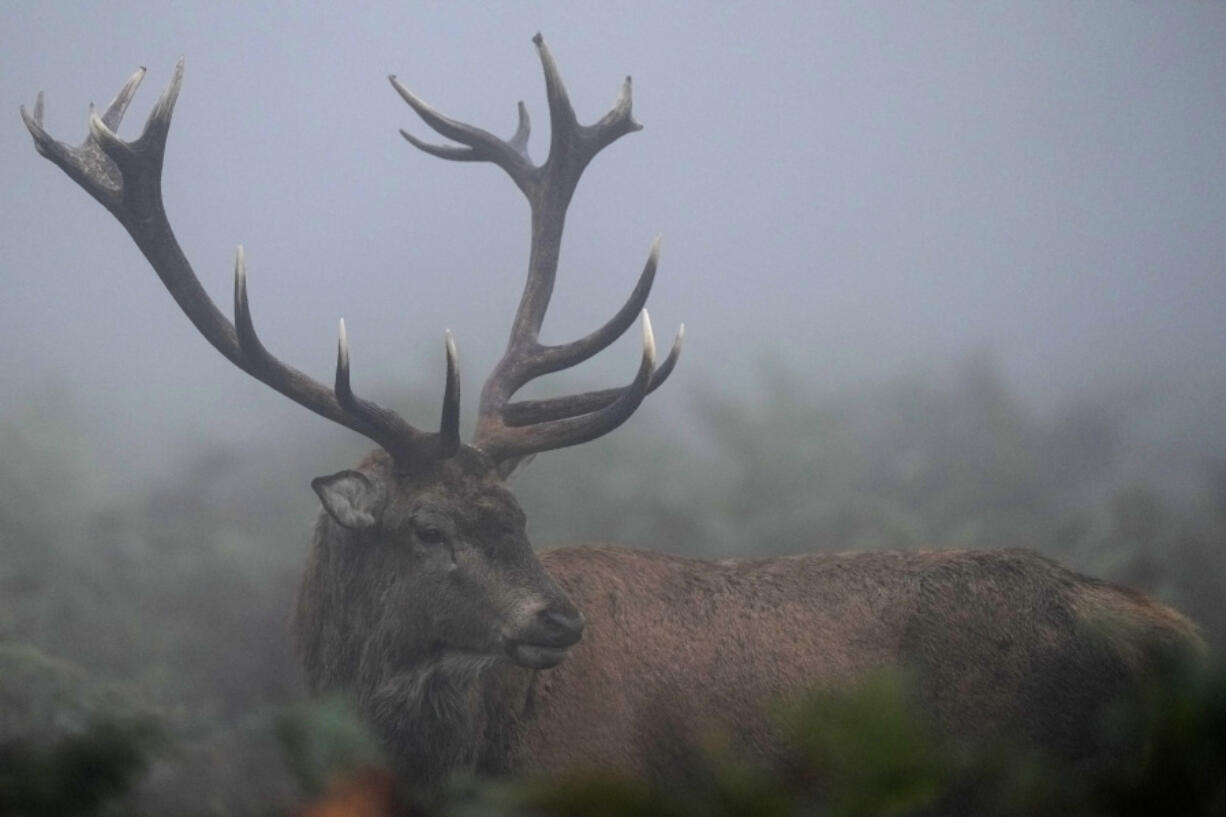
<point>448,549</point>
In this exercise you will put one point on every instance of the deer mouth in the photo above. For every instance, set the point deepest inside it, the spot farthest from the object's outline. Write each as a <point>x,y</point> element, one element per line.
<point>535,656</point>
<point>545,639</point>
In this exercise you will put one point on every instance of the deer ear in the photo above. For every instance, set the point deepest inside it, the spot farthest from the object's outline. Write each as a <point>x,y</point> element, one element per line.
<point>351,498</point>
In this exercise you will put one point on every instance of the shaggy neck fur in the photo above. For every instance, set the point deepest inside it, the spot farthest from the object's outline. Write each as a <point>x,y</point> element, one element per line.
<point>437,713</point>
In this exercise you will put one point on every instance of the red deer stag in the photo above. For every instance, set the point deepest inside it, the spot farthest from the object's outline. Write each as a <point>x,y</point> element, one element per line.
<point>424,600</point>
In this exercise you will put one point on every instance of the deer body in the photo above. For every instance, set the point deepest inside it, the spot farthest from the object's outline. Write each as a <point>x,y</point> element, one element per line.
<point>424,599</point>
<point>675,651</point>
<point>1005,644</point>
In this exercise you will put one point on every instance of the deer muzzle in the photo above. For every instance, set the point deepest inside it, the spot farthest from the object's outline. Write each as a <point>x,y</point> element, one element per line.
<point>547,639</point>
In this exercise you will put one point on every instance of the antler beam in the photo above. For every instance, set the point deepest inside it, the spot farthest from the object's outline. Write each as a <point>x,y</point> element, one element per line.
<point>507,431</point>
<point>126,178</point>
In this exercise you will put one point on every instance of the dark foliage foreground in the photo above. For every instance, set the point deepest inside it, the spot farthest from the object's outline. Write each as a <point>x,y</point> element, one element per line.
<point>859,753</point>
<point>868,752</point>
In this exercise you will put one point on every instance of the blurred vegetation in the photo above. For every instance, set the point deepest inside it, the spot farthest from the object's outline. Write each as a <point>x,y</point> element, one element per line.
<point>869,752</point>
<point>144,628</point>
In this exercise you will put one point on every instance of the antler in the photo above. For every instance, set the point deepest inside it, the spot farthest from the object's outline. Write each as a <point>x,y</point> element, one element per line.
<point>126,178</point>
<point>507,431</point>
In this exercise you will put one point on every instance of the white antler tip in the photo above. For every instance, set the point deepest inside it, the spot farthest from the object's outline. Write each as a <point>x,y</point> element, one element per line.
<point>449,340</point>
<point>240,267</point>
<point>649,339</point>
<point>655,246</point>
<point>98,128</point>
<point>343,339</point>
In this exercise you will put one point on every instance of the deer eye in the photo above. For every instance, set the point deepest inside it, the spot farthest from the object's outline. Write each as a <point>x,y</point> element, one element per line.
<point>430,535</point>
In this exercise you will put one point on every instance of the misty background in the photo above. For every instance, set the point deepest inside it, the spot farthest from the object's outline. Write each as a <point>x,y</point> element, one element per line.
<point>855,190</point>
<point>952,275</point>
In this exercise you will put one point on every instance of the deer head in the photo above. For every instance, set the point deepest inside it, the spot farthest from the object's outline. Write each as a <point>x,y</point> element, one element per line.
<point>425,502</point>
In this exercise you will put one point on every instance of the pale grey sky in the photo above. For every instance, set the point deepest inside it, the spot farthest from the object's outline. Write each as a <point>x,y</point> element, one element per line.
<point>859,188</point>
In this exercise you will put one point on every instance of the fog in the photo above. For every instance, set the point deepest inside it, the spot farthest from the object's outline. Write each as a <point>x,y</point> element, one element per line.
<point>854,190</point>
<point>952,275</point>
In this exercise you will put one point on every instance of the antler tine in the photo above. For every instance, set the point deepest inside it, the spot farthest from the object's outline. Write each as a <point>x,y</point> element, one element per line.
<point>158,124</point>
<point>125,177</point>
<point>549,359</point>
<point>479,145</point>
<point>507,442</point>
<point>449,426</point>
<point>546,359</point>
<point>531,412</point>
<point>567,133</point>
<point>562,120</point>
<point>388,429</point>
<point>146,153</point>
<point>549,188</point>
<point>519,140</point>
<point>119,105</point>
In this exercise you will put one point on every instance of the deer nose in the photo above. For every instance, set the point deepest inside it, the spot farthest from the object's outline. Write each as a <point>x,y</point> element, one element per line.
<point>560,627</point>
